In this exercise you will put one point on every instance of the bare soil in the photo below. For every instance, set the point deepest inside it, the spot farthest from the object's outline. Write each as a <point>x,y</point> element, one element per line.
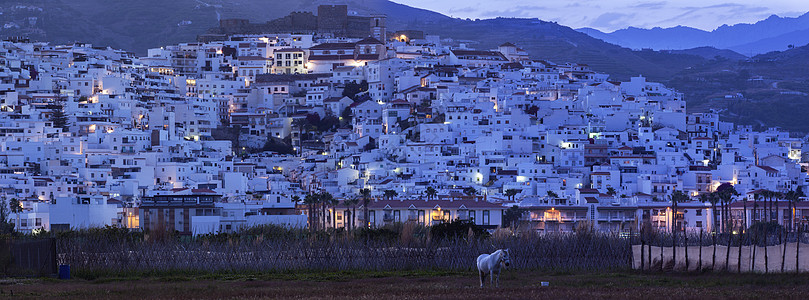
<point>514,285</point>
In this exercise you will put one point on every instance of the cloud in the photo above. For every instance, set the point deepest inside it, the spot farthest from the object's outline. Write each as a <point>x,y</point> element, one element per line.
<point>616,14</point>
<point>520,11</point>
<point>462,10</point>
<point>611,20</point>
<point>729,12</point>
<point>649,5</point>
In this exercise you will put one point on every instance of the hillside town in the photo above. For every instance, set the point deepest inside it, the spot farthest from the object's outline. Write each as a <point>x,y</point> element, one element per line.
<point>358,126</point>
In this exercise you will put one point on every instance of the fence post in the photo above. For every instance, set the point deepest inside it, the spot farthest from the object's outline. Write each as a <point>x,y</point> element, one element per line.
<point>727,253</point>
<point>798,249</point>
<point>699,263</point>
<point>662,262</point>
<point>685,236</point>
<point>739,267</point>
<point>784,246</point>
<point>649,251</point>
<point>642,257</point>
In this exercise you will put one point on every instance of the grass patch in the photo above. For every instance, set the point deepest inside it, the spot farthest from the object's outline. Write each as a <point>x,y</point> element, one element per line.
<point>306,275</point>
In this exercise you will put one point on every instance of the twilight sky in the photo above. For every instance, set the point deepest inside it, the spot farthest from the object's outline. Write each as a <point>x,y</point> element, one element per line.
<point>610,15</point>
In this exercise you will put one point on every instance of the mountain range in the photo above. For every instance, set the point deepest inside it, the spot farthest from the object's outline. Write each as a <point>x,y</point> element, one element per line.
<point>139,25</point>
<point>772,34</point>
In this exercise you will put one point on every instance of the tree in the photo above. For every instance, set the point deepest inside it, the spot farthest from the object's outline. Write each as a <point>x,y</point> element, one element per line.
<point>552,194</point>
<point>366,200</point>
<point>469,191</point>
<point>351,89</point>
<point>611,191</point>
<point>58,117</point>
<point>510,193</point>
<point>389,194</point>
<point>16,208</point>
<point>346,117</point>
<point>532,110</point>
<point>277,145</point>
<point>431,193</point>
<point>511,216</point>
<point>6,227</point>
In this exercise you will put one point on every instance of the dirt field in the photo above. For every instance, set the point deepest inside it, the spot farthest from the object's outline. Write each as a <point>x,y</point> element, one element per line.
<point>519,285</point>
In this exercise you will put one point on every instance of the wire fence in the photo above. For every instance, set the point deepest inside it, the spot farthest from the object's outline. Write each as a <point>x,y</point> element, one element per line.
<point>550,252</point>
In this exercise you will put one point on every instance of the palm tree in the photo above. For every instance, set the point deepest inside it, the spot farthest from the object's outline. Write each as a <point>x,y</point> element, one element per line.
<point>798,198</point>
<point>469,191</point>
<point>676,197</point>
<point>725,192</point>
<point>511,193</point>
<point>296,199</point>
<point>611,191</point>
<point>712,199</point>
<point>389,194</point>
<point>366,200</point>
<point>16,207</point>
<point>311,199</point>
<point>326,199</point>
<point>431,193</point>
<point>352,203</point>
<point>551,194</point>
<point>301,124</point>
<point>768,195</point>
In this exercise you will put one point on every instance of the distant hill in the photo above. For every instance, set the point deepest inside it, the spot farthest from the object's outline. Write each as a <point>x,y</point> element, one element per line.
<point>774,89</point>
<point>772,34</point>
<point>143,24</point>
<point>774,82</point>
<point>551,41</point>
<point>710,53</point>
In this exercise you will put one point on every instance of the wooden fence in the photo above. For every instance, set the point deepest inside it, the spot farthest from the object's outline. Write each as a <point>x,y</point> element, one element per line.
<point>741,253</point>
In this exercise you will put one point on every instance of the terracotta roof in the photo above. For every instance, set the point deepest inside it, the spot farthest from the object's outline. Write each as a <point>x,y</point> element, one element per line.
<point>289,50</point>
<point>330,46</point>
<point>768,169</point>
<point>369,40</point>
<point>432,204</point>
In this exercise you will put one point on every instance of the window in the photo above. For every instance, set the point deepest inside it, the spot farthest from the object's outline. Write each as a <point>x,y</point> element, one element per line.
<point>472,216</point>
<point>699,224</point>
<point>699,212</point>
<point>397,216</point>
<point>486,217</point>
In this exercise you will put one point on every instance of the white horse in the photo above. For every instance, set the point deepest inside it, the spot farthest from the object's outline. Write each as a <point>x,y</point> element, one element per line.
<point>490,264</point>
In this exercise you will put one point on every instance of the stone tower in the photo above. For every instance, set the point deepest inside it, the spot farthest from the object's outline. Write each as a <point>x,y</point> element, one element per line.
<point>378,28</point>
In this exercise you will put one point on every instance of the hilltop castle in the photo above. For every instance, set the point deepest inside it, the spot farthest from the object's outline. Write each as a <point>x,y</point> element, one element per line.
<point>330,19</point>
